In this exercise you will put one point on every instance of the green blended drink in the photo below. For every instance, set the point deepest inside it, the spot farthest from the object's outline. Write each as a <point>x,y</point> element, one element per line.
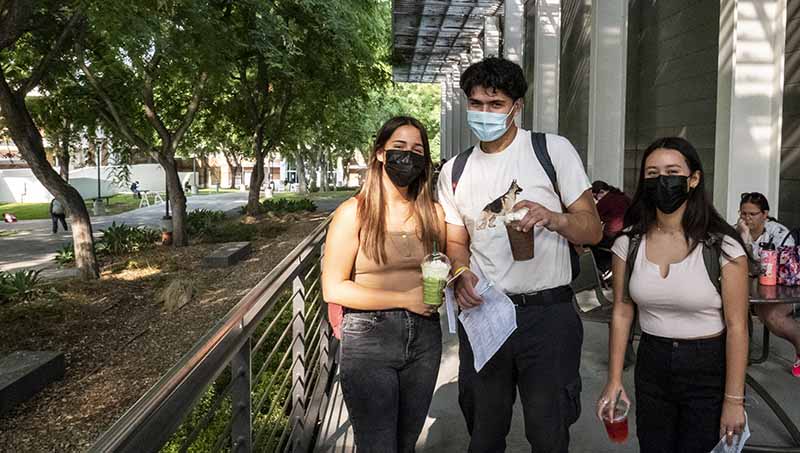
<point>435,269</point>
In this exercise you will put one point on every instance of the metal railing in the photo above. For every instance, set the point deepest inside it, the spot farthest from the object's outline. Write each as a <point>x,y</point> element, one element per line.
<point>257,381</point>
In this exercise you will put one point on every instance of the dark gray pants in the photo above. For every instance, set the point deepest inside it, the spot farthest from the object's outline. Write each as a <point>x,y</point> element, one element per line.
<point>542,360</point>
<point>389,363</point>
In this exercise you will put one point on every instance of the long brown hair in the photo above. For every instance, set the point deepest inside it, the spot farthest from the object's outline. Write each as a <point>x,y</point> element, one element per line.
<point>372,199</point>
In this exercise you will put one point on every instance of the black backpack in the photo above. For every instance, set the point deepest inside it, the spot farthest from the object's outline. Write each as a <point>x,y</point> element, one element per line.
<point>539,142</point>
<point>711,253</point>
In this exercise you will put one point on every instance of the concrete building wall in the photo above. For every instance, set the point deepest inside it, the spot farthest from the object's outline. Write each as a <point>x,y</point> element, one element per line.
<point>573,111</point>
<point>790,144</point>
<point>672,78</point>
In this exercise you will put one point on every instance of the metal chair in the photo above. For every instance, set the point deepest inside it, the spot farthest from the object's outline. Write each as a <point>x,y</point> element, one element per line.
<point>589,279</point>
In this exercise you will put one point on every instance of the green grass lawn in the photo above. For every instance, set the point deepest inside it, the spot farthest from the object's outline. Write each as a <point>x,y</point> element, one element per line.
<point>27,211</point>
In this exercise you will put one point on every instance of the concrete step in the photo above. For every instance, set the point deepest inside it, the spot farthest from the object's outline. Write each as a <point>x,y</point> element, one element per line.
<point>228,254</point>
<point>24,373</point>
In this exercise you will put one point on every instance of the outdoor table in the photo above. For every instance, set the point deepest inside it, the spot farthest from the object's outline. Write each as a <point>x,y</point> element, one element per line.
<point>772,295</point>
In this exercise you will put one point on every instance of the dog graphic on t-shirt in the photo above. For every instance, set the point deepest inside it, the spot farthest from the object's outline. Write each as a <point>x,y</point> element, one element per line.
<point>501,206</point>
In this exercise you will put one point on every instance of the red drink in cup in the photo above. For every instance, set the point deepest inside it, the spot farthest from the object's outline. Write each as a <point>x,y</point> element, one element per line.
<point>617,427</point>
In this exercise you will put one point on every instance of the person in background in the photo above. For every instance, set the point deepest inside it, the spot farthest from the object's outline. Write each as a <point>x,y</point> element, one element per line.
<point>612,204</point>
<point>58,214</point>
<point>692,357</point>
<point>391,341</point>
<point>756,228</point>
<point>135,189</point>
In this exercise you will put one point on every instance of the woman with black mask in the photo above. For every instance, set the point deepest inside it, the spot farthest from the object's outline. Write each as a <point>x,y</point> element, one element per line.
<point>391,340</point>
<point>692,357</point>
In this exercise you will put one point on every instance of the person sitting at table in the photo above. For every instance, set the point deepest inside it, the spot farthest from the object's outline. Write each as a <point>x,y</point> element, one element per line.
<point>692,357</point>
<point>756,228</point>
<point>611,206</point>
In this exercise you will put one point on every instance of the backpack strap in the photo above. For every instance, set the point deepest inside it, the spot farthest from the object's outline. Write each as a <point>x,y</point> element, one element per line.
<point>634,241</point>
<point>458,166</point>
<point>712,247</point>
<point>539,142</point>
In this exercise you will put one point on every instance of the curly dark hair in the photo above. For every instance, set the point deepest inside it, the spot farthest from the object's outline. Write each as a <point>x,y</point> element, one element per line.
<point>495,73</point>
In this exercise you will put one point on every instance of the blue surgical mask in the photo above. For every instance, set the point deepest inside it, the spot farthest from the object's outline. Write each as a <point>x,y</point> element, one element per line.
<point>488,126</point>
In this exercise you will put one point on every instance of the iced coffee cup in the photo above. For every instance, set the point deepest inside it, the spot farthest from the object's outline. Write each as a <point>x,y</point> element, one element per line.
<point>521,242</point>
<point>435,269</point>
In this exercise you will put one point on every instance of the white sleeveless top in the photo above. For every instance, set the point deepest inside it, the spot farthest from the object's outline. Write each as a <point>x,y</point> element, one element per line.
<point>686,303</point>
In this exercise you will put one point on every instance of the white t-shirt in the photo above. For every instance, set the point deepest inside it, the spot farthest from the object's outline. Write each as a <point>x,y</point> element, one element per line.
<point>774,233</point>
<point>686,304</point>
<point>486,179</point>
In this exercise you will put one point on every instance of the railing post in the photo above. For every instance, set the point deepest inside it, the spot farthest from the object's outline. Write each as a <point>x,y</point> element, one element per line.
<point>242,422</point>
<point>298,362</point>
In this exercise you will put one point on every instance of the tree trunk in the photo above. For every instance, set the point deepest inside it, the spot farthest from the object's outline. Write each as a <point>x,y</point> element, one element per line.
<point>29,142</point>
<point>301,174</point>
<point>177,199</point>
<point>325,187</point>
<point>257,177</point>
<point>63,157</point>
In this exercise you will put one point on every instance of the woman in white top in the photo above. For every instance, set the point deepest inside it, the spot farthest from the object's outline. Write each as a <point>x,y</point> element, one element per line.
<point>690,370</point>
<point>757,227</point>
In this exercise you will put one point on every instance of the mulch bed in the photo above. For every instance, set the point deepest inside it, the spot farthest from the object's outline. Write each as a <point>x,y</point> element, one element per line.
<point>118,339</point>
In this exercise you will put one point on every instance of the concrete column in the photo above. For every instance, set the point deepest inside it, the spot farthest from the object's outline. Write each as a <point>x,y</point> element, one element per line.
<point>443,151</point>
<point>467,137</point>
<point>749,102</point>
<point>546,54</point>
<point>607,80</point>
<point>491,36</point>
<point>448,123</point>
<point>513,29</point>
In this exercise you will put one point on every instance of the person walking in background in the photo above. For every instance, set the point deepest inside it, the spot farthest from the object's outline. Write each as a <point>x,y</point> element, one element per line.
<point>612,204</point>
<point>758,228</point>
<point>391,341</point>
<point>690,371</point>
<point>58,214</point>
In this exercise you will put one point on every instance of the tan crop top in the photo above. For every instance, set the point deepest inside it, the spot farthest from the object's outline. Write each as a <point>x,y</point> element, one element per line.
<point>400,272</point>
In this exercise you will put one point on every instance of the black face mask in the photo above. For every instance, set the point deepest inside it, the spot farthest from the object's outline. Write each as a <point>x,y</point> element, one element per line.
<point>667,192</point>
<point>403,167</point>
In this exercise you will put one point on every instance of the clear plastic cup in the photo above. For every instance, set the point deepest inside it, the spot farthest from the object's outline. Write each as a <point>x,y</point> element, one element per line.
<point>617,426</point>
<point>435,269</point>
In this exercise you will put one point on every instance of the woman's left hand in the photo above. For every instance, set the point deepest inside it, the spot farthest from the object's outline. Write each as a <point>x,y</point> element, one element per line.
<point>732,421</point>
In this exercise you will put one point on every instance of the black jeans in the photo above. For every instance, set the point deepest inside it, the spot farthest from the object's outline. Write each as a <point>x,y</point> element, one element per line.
<point>542,359</point>
<point>680,387</point>
<point>59,218</point>
<point>389,363</point>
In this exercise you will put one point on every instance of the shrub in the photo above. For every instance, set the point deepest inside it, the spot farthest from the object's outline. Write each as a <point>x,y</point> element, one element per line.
<point>65,255</point>
<point>283,205</point>
<point>19,286</point>
<point>201,221</point>
<point>230,232</point>
<point>119,239</point>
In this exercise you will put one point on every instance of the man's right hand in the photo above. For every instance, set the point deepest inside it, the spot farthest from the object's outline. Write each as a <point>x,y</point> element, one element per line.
<point>466,297</point>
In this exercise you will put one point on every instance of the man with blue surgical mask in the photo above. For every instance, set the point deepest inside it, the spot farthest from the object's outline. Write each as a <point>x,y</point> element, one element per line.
<point>541,180</point>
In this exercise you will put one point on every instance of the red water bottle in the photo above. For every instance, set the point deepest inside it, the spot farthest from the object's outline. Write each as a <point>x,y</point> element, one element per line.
<point>769,265</point>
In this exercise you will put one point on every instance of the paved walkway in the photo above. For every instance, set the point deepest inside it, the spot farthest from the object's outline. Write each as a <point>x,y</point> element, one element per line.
<point>445,430</point>
<point>32,243</point>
